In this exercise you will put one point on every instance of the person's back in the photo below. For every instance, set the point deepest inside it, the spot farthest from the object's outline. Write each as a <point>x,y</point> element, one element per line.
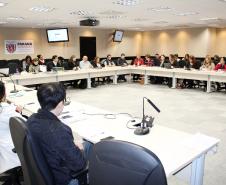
<point>54,138</point>
<point>56,141</point>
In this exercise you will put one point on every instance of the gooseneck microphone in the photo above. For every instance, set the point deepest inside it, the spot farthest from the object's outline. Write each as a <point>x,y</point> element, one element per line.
<point>14,85</point>
<point>146,120</point>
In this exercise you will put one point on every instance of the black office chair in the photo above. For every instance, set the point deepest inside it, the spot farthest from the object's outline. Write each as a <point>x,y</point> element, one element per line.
<point>114,162</point>
<point>13,68</point>
<point>35,168</point>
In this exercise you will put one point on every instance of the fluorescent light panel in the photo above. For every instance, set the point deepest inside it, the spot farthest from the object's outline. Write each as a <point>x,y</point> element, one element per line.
<point>186,13</point>
<point>15,18</point>
<point>127,2</point>
<point>2,4</point>
<point>160,9</point>
<point>41,9</point>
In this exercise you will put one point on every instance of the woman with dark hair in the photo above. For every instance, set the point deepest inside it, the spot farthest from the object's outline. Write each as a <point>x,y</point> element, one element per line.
<point>8,159</point>
<point>26,63</point>
<point>41,59</point>
<point>72,65</point>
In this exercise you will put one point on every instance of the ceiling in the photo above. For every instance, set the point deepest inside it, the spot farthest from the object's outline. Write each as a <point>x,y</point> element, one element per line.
<point>117,14</point>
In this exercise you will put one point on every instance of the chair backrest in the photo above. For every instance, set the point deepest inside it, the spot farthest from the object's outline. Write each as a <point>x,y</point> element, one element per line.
<point>114,162</point>
<point>34,166</point>
<point>13,67</point>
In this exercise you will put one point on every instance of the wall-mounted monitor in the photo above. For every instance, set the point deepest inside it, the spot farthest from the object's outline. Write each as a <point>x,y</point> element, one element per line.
<point>57,35</point>
<point>118,35</point>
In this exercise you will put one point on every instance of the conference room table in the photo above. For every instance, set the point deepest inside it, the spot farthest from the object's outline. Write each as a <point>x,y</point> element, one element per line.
<point>181,154</point>
<point>176,73</point>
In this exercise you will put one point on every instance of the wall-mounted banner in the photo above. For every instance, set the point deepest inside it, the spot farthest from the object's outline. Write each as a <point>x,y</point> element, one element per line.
<point>19,47</point>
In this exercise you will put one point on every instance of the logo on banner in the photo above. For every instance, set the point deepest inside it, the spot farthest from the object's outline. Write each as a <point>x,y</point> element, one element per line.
<point>11,48</point>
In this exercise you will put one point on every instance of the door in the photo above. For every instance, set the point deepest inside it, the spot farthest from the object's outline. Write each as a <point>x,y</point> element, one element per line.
<point>88,47</point>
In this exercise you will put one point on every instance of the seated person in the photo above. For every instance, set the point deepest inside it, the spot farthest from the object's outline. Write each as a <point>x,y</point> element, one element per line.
<point>53,63</point>
<point>148,61</point>
<point>63,155</point>
<point>7,156</point>
<point>85,64</point>
<point>26,63</point>
<point>122,62</point>
<point>163,60</point>
<point>221,66</point>
<point>138,61</point>
<point>156,61</point>
<point>41,59</point>
<point>208,64</point>
<point>193,64</point>
<point>173,61</point>
<point>108,62</point>
<point>96,63</point>
<point>34,67</point>
<point>72,63</point>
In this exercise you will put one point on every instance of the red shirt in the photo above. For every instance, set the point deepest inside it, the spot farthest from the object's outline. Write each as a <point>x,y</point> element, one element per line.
<point>138,62</point>
<point>220,66</point>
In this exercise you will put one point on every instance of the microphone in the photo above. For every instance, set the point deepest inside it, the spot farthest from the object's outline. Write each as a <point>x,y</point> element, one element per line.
<point>147,121</point>
<point>14,90</point>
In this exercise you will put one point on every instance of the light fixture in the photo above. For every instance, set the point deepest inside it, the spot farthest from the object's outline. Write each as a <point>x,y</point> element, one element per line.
<point>81,13</point>
<point>41,9</point>
<point>2,4</point>
<point>126,2</point>
<point>15,18</point>
<point>160,9</point>
<point>186,13</point>
<point>210,19</point>
<point>114,17</point>
<point>3,22</point>
<point>140,19</point>
<point>111,12</point>
<point>160,22</point>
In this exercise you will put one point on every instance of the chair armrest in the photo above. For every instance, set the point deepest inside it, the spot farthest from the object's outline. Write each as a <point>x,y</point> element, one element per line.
<point>81,173</point>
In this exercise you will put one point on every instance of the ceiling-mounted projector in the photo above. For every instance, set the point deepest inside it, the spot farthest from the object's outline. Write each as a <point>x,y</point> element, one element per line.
<point>89,22</point>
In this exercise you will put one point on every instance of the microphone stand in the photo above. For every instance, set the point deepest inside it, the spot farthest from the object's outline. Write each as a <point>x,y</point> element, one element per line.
<point>14,89</point>
<point>143,129</point>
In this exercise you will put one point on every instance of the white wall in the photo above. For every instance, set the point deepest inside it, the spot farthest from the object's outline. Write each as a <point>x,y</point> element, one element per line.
<point>196,41</point>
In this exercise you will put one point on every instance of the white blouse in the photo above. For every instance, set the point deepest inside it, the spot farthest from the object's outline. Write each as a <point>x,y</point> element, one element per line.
<point>8,159</point>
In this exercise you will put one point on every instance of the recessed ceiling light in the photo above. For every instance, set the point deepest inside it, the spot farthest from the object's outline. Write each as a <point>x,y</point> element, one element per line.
<point>160,9</point>
<point>3,22</point>
<point>186,13</point>
<point>15,18</point>
<point>41,9</point>
<point>114,17</point>
<point>111,12</point>
<point>140,19</point>
<point>126,2</point>
<point>210,19</point>
<point>160,22</point>
<point>81,13</point>
<point>2,4</point>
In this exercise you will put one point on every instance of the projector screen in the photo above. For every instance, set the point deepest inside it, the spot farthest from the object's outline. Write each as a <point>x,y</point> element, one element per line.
<point>57,35</point>
<point>118,36</point>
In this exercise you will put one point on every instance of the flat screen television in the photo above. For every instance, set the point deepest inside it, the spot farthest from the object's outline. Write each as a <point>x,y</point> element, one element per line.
<point>118,35</point>
<point>57,35</point>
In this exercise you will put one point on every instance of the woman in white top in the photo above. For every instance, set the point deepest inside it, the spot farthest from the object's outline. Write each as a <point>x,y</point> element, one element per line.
<point>208,64</point>
<point>8,159</point>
